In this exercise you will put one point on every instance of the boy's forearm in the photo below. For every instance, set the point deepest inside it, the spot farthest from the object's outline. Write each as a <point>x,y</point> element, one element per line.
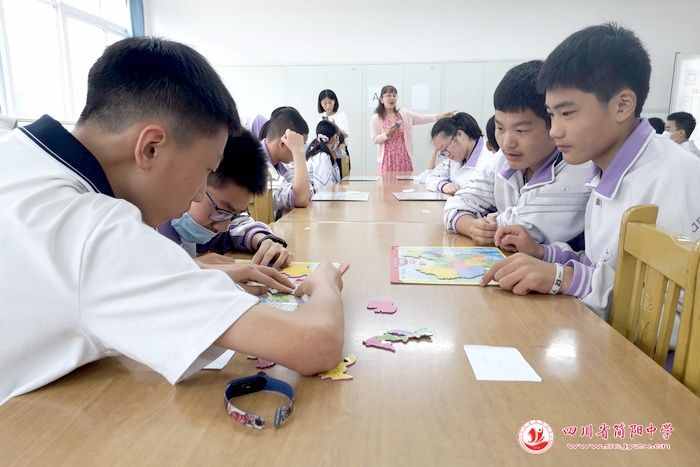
<point>302,191</point>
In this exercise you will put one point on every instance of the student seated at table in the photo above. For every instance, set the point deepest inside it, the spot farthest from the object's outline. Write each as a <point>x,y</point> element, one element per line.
<point>528,182</point>
<point>85,273</point>
<point>460,140</point>
<point>218,220</point>
<point>680,127</point>
<point>321,158</point>
<point>657,124</point>
<point>596,83</point>
<point>255,125</point>
<point>491,140</point>
<point>284,136</point>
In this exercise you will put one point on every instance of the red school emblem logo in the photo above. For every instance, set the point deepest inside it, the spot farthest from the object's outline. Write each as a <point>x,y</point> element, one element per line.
<point>536,437</point>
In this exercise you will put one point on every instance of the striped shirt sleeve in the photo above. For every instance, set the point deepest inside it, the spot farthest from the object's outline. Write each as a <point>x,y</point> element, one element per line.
<point>439,176</point>
<point>475,199</point>
<point>242,229</point>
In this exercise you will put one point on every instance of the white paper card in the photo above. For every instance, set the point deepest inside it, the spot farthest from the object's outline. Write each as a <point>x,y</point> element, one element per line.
<point>221,362</point>
<point>491,363</point>
<point>420,196</point>
<point>361,178</point>
<point>341,196</point>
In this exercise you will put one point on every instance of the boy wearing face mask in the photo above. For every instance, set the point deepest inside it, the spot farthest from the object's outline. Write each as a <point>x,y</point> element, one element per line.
<point>218,220</point>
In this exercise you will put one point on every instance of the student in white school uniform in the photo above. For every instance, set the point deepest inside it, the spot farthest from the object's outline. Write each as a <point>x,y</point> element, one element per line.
<point>218,222</point>
<point>679,127</point>
<point>596,83</point>
<point>321,159</point>
<point>527,183</point>
<point>283,139</point>
<point>85,273</point>
<point>460,141</point>
<point>437,158</point>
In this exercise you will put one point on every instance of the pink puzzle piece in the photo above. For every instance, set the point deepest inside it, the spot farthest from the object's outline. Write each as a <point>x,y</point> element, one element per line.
<point>382,305</point>
<point>377,343</point>
<point>261,364</point>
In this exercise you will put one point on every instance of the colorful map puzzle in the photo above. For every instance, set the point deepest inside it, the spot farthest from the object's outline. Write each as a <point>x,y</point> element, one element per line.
<point>442,265</point>
<point>296,272</point>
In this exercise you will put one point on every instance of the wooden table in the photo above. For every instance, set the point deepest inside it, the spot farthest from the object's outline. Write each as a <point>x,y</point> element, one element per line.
<point>420,406</point>
<point>381,207</point>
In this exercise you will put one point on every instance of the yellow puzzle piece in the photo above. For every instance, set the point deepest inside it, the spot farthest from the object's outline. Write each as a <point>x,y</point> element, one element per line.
<point>440,272</point>
<point>339,372</point>
<point>298,269</point>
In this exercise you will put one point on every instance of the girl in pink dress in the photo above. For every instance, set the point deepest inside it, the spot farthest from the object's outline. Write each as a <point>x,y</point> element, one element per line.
<point>391,132</point>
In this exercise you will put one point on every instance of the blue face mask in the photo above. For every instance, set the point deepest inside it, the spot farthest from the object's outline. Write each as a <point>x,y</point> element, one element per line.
<point>190,231</point>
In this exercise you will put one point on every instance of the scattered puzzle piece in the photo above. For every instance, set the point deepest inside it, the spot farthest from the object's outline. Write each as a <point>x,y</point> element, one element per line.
<point>393,338</point>
<point>384,341</point>
<point>382,305</point>
<point>419,334</point>
<point>378,343</point>
<point>261,364</point>
<point>339,372</point>
<point>297,270</point>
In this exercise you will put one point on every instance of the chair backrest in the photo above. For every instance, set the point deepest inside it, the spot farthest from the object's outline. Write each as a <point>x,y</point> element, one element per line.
<point>686,363</point>
<point>653,268</point>
<point>260,207</point>
<point>344,167</point>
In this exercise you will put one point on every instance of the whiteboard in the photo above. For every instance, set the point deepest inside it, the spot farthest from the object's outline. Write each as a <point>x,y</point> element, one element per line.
<point>423,88</point>
<point>685,91</point>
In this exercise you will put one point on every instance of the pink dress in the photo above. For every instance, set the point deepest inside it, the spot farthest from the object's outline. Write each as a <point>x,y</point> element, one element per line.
<point>396,158</point>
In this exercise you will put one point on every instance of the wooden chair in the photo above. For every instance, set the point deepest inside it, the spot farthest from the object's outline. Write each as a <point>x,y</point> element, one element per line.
<point>686,363</point>
<point>344,167</point>
<point>260,207</point>
<point>653,267</point>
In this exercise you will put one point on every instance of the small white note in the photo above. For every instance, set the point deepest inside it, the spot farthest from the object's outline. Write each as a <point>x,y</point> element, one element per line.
<point>221,362</point>
<point>491,363</point>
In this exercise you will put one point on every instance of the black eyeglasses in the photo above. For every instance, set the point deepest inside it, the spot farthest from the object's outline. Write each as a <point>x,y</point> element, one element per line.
<point>220,214</point>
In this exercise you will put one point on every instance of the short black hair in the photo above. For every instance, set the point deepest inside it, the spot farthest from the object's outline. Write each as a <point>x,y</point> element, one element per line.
<point>327,94</point>
<point>244,164</point>
<point>281,120</point>
<point>517,91</point>
<point>491,133</point>
<point>683,121</point>
<point>602,60</point>
<point>658,125</point>
<point>459,121</point>
<point>141,77</point>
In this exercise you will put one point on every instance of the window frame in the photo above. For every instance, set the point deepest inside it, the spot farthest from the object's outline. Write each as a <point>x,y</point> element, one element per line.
<point>63,12</point>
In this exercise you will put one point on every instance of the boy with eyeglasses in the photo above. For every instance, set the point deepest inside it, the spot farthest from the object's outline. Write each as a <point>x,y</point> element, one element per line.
<point>218,221</point>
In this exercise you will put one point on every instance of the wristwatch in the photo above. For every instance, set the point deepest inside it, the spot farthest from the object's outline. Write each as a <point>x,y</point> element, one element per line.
<point>251,384</point>
<point>274,238</point>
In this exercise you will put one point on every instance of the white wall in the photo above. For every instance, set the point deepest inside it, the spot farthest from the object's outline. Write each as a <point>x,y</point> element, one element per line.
<point>235,34</point>
<point>283,32</point>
